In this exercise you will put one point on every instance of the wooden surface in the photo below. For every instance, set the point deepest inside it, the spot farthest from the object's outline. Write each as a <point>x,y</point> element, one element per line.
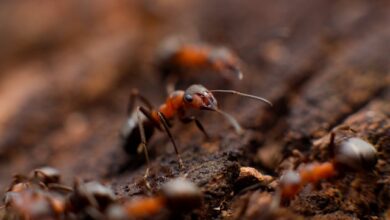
<point>67,71</point>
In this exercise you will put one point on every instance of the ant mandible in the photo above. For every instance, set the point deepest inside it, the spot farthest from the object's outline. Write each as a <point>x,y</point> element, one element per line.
<point>140,127</point>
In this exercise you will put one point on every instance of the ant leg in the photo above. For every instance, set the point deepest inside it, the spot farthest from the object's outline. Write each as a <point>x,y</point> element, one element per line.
<point>59,187</point>
<point>190,119</point>
<point>143,144</point>
<point>166,128</point>
<point>134,94</point>
<point>149,116</point>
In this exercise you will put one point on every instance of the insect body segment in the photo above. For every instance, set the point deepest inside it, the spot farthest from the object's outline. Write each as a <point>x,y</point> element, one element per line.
<point>292,181</point>
<point>177,57</point>
<point>313,173</point>
<point>191,55</point>
<point>172,106</point>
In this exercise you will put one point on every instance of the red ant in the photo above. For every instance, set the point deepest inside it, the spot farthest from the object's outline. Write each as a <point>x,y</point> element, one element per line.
<point>139,129</point>
<point>353,154</point>
<point>176,58</point>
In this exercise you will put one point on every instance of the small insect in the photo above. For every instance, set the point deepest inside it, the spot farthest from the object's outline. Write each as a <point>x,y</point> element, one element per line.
<point>352,154</point>
<point>46,178</point>
<point>142,122</point>
<point>176,59</point>
<point>34,204</point>
<point>177,196</point>
<point>35,196</point>
<point>41,196</point>
<point>31,201</point>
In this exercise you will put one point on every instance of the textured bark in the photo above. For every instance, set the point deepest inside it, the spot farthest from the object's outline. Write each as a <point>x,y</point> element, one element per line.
<point>325,65</point>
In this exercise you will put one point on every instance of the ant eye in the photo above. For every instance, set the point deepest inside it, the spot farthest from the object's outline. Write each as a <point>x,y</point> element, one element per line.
<point>188,98</point>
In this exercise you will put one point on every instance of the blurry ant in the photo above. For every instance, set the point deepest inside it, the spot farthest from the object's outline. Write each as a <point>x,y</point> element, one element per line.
<point>176,59</point>
<point>46,178</point>
<point>90,199</point>
<point>139,129</point>
<point>351,154</point>
<point>178,196</point>
<point>37,196</point>
<point>34,204</point>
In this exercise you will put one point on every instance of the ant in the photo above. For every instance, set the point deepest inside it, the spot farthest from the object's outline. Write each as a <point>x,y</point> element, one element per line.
<point>176,58</point>
<point>37,196</point>
<point>351,154</point>
<point>42,196</point>
<point>34,204</point>
<point>142,122</point>
<point>178,196</point>
<point>46,178</point>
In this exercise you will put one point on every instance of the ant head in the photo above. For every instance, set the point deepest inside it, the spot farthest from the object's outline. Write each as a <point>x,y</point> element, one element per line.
<point>223,59</point>
<point>198,97</point>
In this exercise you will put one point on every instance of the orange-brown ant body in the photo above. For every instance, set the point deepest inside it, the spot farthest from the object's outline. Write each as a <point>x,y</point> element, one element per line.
<point>177,59</point>
<point>177,196</point>
<point>200,56</point>
<point>292,181</point>
<point>139,129</point>
<point>352,154</point>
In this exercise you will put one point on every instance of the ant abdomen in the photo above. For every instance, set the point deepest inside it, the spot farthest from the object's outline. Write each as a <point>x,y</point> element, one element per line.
<point>131,137</point>
<point>356,154</point>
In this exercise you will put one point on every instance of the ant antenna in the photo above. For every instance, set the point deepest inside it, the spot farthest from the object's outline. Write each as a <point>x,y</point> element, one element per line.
<point>232,121</point>
<point>243,94</point>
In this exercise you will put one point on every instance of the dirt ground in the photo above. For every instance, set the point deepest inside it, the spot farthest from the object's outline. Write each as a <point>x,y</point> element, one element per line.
<point>67,69</point>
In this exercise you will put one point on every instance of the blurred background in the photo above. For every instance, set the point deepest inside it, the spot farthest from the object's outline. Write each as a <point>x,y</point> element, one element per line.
<point>67,67</point>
